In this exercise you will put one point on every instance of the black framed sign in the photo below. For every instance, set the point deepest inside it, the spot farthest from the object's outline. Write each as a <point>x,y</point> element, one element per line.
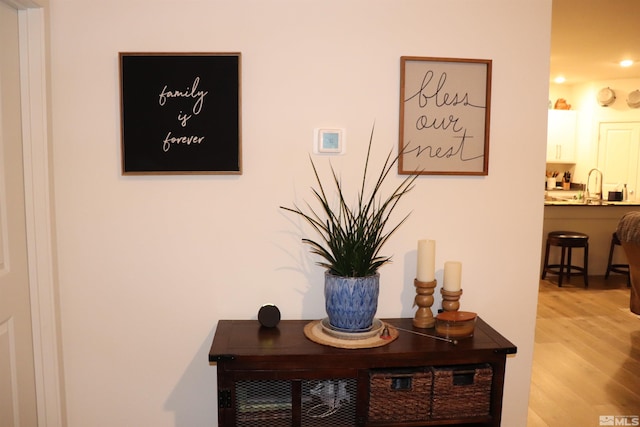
<point>180,113</point>
<point>444,116</point>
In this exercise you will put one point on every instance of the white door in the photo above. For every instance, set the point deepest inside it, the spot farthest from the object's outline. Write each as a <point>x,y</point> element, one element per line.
<point>619,156</point>
<point>17,378</point>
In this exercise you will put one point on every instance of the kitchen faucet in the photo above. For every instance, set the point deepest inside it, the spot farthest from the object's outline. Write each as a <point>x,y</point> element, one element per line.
<point>598,192</point>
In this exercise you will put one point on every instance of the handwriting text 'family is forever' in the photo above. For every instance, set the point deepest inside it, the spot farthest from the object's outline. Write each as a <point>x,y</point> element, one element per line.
<point>190,92</point>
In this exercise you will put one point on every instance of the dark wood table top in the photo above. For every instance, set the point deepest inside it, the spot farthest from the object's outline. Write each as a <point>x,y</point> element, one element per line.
<point>246,343</point>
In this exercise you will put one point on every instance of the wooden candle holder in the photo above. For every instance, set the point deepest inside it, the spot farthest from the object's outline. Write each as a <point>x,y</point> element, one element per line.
<point>450,300</point>
<point>424,300</point>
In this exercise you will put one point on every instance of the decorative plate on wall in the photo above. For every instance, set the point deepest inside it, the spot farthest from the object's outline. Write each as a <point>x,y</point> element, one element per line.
<point>606,97</point>
<point>633,100</point>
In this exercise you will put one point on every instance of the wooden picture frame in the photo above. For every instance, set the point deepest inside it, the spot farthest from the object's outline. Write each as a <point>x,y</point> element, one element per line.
<point>180,113</point>
<point>445,106</point>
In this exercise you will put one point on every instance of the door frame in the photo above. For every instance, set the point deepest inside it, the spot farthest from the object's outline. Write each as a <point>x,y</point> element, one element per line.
<point>38,211</point>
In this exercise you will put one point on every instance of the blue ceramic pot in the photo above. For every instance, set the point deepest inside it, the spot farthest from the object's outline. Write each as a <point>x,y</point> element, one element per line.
<point>351,302</point>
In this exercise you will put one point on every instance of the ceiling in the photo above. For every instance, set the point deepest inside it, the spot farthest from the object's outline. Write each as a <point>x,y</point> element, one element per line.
<point>590,37</point>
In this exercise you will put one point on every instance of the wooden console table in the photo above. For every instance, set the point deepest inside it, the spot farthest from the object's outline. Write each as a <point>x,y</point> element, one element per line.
<point>278,377</point>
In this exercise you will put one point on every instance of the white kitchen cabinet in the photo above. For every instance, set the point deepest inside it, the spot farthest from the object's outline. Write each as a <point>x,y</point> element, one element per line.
<point>561,136</point>
<point>619,156</point>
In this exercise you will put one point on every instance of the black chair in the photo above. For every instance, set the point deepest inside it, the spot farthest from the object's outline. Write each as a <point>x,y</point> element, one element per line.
<point>567,241</point>
<point>616,268</point>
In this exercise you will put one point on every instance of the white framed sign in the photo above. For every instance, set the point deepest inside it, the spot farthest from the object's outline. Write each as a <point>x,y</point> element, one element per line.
<point>444,116</point>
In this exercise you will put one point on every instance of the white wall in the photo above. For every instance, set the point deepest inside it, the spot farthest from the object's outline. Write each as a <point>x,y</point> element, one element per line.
<point>149,264</point>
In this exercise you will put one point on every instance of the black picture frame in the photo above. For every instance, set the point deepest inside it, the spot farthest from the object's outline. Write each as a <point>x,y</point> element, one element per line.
<point>445,106</point>
<point>180,113</point>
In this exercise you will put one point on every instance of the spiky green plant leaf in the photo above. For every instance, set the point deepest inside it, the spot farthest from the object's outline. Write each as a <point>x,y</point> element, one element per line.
<point>351,238</point>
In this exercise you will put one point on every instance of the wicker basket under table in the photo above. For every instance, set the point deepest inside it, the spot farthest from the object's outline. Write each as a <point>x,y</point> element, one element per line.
<point>400,395</point>
<point>461,391</point>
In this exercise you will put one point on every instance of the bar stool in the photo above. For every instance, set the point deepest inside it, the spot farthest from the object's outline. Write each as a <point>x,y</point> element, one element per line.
<point>616,268</point>
<point>567,240</point>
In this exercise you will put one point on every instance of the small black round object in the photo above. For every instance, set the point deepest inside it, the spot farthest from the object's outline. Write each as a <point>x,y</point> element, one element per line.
<point>269,315</point>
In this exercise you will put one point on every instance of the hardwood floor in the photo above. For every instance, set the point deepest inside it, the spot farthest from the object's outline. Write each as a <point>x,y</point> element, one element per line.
<point>586,354</point>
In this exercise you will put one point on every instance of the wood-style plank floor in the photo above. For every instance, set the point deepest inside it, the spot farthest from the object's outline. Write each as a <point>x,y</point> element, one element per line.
<point>586,354</point>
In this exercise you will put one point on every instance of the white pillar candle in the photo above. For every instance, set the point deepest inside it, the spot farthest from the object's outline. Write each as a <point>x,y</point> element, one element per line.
<point>452,280</point>
<point>426,261</point>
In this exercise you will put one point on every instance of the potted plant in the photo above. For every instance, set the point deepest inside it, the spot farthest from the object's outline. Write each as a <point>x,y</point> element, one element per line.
<point>351,238</point>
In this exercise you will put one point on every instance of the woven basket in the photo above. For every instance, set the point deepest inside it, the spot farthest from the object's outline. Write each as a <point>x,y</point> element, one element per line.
<point>399,395</point>
<point>461,391</point>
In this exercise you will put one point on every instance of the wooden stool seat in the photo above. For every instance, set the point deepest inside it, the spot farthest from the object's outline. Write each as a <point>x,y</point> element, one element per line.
<point>567,241</point>
<point>616,268</point>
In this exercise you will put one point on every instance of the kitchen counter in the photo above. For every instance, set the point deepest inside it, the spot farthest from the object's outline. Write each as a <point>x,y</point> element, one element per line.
<point>582,203</point>
<point>560,197</point>
<point>598,221</point>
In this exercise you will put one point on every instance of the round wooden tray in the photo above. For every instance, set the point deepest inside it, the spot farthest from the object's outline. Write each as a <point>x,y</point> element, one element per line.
<point>317,333</point>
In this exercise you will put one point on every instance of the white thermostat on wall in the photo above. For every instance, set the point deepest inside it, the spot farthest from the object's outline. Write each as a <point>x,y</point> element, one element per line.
<point>329,141</point>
